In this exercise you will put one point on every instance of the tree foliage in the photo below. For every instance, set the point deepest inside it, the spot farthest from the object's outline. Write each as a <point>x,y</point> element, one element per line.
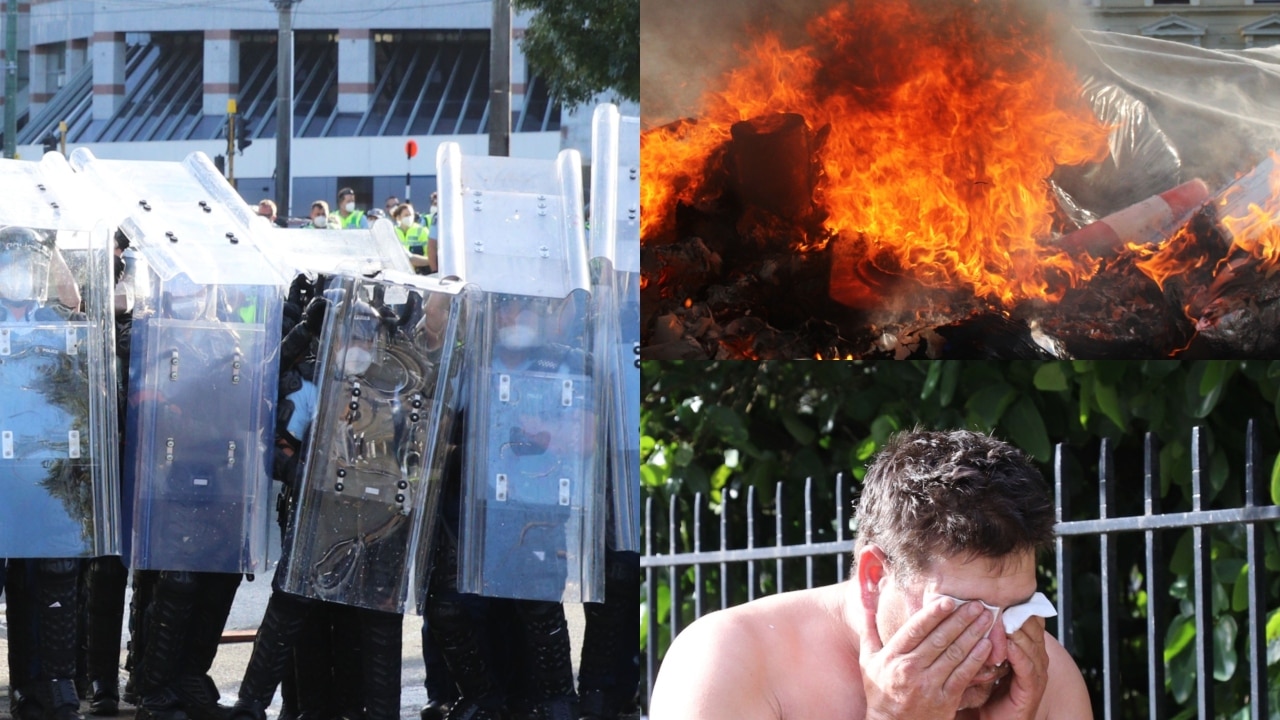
<point>725,430</point>
<point>584,47</point>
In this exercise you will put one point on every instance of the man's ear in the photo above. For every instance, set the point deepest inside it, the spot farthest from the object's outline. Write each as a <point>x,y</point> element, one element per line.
<point>871,576</point>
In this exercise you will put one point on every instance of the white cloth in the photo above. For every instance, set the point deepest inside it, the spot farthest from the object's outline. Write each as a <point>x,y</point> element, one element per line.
<point>1013,616</point>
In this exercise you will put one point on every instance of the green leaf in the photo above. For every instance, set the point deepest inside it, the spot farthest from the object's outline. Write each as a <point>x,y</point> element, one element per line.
<point>1051,377</point>
<point>798,429</point>
<point>865,449</point>
<point>652,476</point>
<point>989,403</point>
<point>1026,428</point>
<point>1240,594</point>
<point>1109,403</point>
<point>1213,381</point>
<point>1275,478</point>
<point>1273,637</point>
<point>1182,676</point>
<point>1224,648</point>
<point>950,379</point>
<point>931,380</point>
<point>1179,635</point>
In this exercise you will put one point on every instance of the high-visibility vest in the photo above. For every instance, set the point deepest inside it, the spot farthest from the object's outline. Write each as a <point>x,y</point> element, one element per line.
<point>414,236</point>
<point>351,221</point>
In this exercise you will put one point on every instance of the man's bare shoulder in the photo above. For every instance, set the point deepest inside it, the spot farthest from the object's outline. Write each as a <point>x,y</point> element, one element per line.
<point>742,662</point>
<point>1065,696</point>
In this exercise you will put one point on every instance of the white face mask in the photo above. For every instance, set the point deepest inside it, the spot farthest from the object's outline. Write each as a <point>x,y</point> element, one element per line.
<point>319,221</point>
<point>349,207</point>
<point>434,209</point>
<point>517,337</point>
<point>356,361</point>
<point>406,222</point>
<point>16,283</point>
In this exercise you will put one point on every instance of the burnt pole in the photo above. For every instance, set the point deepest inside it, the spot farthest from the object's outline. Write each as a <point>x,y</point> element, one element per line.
<point>284,103</point>
<point>500,80</point>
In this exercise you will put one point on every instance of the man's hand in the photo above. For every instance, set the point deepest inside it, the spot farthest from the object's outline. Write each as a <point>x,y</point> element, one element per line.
<point>928,663</point>
<point>1029,674</point>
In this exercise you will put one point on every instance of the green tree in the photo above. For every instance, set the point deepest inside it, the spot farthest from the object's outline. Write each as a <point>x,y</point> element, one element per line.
<point>584,47</point>
<point>727,430</point>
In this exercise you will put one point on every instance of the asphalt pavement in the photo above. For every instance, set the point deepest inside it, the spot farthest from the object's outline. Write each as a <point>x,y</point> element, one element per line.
<point>246,613</point>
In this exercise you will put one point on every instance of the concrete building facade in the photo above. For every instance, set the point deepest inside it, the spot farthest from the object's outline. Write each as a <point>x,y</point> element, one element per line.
<point>150,79</point>
<point>1211,24</point>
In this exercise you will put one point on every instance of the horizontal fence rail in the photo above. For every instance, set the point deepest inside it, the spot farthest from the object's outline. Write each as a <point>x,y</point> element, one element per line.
<point>1200,520</point>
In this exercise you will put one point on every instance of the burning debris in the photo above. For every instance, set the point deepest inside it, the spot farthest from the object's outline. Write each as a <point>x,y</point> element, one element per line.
<point>825,205</point>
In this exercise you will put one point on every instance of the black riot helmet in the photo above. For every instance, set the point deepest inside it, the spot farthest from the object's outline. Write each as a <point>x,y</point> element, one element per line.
<point>24,265</point>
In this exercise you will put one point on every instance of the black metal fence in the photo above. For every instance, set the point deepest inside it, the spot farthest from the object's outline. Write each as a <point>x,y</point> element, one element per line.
<point>831,558</point>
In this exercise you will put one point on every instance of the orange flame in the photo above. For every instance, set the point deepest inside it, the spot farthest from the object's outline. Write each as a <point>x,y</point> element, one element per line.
<point>946,120</point>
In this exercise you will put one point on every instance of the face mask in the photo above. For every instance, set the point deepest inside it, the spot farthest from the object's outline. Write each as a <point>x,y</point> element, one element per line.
<point>517,337</point>
<point>349,207</point>
<point>434,209</point>
<point>356,361</point>
<point>406,222</point>
<point>319,221</point>
<point>16,284</point>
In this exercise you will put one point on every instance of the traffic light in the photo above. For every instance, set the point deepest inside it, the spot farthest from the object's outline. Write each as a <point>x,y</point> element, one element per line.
<point>220,162</point>
<point>50,143</point>
<point>242,142</point>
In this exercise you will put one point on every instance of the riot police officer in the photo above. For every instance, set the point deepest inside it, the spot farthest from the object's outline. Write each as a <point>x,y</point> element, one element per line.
<point>42,593</point>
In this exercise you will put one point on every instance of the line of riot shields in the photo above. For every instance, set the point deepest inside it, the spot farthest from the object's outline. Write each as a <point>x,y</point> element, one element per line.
<point>501,394</point>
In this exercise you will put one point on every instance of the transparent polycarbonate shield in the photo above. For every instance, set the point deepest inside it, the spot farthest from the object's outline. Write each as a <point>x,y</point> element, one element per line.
<point>59,493</point>
<point>389,390</point>
<point>47,500</point>
<point>204,363</point>
<point>512,225</point>
<point>615,252</point>
<point>532,496</point>
<point>348,252</point>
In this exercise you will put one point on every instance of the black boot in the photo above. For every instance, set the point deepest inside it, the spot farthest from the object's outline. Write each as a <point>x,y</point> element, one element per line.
<point>459,636</point>
<point>169,618</point>
<point>608,676</point>
<point>144,586</point>
<point>197,691</point>
<point>548,669</point>
<point>57,601</point>
<point>381,638</point>
<point>105,580</point>
<point>271,654</point>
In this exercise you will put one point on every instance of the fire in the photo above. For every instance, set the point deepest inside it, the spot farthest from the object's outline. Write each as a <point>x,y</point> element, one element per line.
<point>1247,214</point>
<point>946,119</point>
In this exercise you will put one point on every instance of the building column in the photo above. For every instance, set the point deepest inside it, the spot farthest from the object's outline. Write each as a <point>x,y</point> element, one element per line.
<point>355,70</point>
<point>108,74</point>
<point>519,76</point>
<point>77,55</point>
<point>39,88</point>
<point>221,70</point>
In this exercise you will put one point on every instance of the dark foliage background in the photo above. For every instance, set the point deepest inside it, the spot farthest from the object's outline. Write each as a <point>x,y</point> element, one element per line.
<point>719,429</point>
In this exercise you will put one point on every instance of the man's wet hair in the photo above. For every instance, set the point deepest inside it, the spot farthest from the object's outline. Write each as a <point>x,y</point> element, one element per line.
<point>934,495</point>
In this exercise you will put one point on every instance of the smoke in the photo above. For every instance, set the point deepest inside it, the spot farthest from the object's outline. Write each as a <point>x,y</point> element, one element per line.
<point>685,46</point>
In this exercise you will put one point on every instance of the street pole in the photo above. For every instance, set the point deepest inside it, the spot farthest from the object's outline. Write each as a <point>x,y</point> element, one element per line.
<point>231,141</point>
<point>11,79</point>
<point>284,102</point>
<point>500,80</point>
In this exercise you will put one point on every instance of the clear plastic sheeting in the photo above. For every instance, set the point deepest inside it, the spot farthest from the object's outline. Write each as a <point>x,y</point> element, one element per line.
<point>389,391</point>
<point>58,437</point>
<point>514,221</point>
<point>531,525</point>
<point>615,253</point>
<point>203,366</point>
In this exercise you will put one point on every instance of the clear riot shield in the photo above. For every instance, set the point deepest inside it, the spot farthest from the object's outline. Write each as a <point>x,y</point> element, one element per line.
<point>203,367</point>
<point>615,252</point>
<point>530,518</point>
<point>59,494</point>
<point>389,390</point>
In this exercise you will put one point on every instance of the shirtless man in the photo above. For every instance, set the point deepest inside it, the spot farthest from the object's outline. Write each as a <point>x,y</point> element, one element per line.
<point>945,518</point>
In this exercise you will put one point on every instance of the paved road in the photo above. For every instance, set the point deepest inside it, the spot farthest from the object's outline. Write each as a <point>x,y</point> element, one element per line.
<point>250,604</point>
